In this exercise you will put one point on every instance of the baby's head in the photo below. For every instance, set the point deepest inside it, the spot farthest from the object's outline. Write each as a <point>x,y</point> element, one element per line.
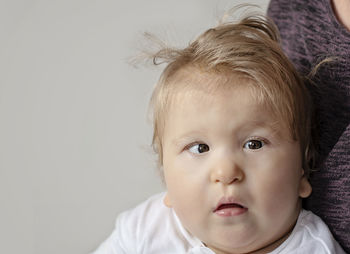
<point>232,132</point>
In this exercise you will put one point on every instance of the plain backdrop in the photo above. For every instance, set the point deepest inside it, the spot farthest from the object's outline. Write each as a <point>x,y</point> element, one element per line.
<point>74,135</point>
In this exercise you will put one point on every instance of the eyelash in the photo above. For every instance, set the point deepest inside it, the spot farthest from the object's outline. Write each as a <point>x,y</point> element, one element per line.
<point>190,146</point>
<point>263,143</point>
<point>252,139</point>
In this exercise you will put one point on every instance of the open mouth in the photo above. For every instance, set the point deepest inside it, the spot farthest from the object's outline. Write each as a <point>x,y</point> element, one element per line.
<point>229,205</point>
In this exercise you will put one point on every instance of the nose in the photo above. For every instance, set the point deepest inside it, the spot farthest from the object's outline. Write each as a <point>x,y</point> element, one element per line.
<point>226,171</point>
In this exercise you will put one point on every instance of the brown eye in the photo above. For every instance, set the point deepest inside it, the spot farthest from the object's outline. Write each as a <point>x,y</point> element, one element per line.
<point>254,144</point>
<point>199,148</point>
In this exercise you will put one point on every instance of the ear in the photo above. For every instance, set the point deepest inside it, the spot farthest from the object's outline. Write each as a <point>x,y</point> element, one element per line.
<point>305,188</point>
<point>166,201</point>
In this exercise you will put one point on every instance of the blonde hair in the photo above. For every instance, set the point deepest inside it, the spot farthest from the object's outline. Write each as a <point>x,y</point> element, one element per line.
<point>249,49</point>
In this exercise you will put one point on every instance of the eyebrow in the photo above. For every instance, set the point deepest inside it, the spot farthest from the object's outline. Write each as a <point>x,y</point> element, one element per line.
<point>277,127</point>
<point>264,124</point>
<point>273,126</point>
<point>178,141</point>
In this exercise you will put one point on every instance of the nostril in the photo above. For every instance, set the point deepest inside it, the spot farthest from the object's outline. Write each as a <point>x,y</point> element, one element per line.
<point>228,180</point>
<point>226,172</point>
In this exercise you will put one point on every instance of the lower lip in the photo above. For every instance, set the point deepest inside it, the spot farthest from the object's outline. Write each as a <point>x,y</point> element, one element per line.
<point>229,212</point>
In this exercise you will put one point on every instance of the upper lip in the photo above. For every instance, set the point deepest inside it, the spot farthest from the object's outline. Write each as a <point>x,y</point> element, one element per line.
<point>228,201</point>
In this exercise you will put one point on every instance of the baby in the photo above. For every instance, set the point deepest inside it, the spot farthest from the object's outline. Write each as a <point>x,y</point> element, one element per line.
<point>232,132</point>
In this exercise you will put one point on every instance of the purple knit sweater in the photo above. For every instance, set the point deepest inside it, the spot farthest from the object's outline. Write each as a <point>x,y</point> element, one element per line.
<point>310,32</point>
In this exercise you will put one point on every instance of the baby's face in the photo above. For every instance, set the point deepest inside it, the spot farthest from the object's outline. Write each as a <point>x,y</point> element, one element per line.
<point>233,173</point>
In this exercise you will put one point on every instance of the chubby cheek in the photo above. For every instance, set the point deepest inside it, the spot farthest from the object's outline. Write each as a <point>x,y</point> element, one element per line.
<point>185,188</point>
<point>179,192</point>
<point>186,200</point>
<point>278,193</point>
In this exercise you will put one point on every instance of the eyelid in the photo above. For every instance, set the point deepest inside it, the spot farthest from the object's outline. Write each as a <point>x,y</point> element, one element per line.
<point>187,147</point>
<point>257,138</point>
<point>191,145</point>
<point>264,140</point>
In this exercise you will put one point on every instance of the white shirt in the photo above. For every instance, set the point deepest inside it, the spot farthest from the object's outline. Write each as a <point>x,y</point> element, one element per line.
<point>153,228</point>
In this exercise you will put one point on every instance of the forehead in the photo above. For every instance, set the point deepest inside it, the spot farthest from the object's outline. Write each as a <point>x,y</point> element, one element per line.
<point>215,96</point>
<point>222,115</point>
<point>196,85</point>
<point>207,87</point>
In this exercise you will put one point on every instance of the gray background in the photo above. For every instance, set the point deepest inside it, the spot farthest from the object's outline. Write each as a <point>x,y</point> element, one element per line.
<point>74,137</point>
